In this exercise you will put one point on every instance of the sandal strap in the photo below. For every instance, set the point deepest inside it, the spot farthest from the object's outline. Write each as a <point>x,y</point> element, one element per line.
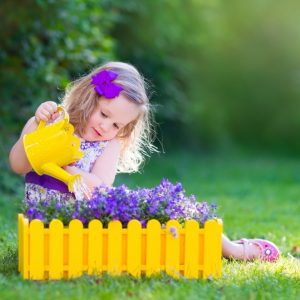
<point>268,250</point>
<point>246,247</point>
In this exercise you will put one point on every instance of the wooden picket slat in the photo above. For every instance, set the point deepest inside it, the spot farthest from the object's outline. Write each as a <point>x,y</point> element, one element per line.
<point>191,251</point>
<point>56,236</point>
<point>23,228</point>
<point>36,253</point>
<point>134,248</point>
<point>212,247</point>
<point>114,248</point>
<point>75,248</point>
<point>214,244</point>
<point>25,248</point>
<point>172,248</point>
<point>218,247</point>
<point>20,243</point>
<point>95,243</point>
<point>153,247</point>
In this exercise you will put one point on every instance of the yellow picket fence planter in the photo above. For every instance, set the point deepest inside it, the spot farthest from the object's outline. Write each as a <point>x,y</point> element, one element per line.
<point>67,252</point>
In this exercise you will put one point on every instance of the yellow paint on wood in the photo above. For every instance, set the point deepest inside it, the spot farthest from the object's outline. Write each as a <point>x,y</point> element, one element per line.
<point>216,241</point>
<point>191,249</point>
<point>172,248</point>
<point>56,250</point>
<point>134,248</point>
<point>153,247</point>
<point>75,248</point>
<point>114,248</point>
<point>25,248</point>
<point>59,252</point>
<point>20,243</point>
<point>212,248</point>
<point>95,245</point>
<point>36,252</point>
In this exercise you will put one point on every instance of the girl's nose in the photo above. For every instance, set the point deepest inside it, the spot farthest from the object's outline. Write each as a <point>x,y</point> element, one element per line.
<point>104,126</point>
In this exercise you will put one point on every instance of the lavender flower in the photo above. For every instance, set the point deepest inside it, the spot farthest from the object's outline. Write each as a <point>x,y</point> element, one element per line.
<point>163,202</point>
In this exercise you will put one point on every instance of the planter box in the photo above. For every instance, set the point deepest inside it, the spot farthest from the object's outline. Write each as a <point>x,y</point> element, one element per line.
<point>67,252</point>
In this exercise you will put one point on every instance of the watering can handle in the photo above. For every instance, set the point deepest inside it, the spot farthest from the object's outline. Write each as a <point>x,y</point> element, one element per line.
<point>42,123</point>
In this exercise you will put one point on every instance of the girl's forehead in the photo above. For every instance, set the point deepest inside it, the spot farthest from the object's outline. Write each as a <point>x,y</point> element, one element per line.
<point>120,109</point>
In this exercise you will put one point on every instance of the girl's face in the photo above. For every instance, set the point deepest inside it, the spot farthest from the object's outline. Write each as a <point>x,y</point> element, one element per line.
<point>109,117</point>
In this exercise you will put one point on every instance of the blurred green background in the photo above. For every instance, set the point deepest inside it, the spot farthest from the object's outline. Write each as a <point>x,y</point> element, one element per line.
<point>223,73</point>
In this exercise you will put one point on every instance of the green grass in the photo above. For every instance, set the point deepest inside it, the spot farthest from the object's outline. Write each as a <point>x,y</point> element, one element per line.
<point>258,196</point>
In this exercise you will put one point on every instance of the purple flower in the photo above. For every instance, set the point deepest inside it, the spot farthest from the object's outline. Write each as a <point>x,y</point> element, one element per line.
<point>39,216</point>
<point>163,202</point>
<point>75,215</point>
<point>104,85</point>
<point>143,223</point>
<point>83,220</point>
<point>30,211</point>
<point>58,205</point>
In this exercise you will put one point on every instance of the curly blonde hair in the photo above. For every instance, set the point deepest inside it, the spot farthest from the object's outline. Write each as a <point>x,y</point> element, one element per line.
<point>80,101</point>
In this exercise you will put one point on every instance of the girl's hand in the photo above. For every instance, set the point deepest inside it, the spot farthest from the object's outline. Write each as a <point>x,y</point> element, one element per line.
<point>82,186</point>
<point>47,111</point>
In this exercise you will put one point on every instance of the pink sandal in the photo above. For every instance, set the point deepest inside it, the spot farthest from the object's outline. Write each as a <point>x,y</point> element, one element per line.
<point>268,250</point>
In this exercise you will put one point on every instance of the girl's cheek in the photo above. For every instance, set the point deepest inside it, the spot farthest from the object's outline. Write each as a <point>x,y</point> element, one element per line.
<point>114,134</point>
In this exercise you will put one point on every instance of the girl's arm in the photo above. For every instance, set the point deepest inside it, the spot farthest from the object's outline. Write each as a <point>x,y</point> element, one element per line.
<point>105,168</point>
<point>17,156</point>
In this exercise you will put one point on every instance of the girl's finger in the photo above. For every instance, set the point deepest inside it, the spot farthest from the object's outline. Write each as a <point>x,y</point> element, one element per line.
<point>37,119</point>
<point>47,113</point>
<point>51,107</point>
<point>54,116</point>
<point>45,116</point>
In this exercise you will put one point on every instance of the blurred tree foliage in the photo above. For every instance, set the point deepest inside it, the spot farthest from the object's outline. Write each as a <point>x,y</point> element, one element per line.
<point>222,71</point>
<point>44,45</point>
<point>225,71</point>
<point>157,36</point>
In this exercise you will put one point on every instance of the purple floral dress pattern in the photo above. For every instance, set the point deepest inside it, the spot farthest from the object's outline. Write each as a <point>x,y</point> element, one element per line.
<point>91,151</point>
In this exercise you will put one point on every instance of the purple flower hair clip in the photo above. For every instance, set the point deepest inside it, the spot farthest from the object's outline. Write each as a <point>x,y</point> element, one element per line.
<point>104,85</point>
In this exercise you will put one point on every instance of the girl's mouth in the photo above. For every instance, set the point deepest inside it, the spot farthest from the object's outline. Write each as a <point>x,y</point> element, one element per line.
<point>97,132</point>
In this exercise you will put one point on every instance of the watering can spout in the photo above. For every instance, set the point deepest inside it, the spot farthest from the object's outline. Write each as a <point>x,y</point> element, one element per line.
<point>50,147</point>
<point>59,173</point>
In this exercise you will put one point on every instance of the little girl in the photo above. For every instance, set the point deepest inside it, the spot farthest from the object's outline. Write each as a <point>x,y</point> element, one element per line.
<point>111,114</point>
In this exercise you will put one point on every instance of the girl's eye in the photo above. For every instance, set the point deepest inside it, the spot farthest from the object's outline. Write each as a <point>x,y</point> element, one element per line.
<point>116,126</point>
<point>103,114</point>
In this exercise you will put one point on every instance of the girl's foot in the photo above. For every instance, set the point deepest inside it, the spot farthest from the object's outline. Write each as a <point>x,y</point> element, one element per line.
<point>257,248</point>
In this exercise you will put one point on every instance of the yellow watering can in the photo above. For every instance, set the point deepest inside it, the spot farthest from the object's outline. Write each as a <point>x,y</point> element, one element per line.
<point>51,147</point>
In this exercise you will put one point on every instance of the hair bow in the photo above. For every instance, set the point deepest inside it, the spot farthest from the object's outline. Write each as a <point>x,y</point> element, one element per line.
<point>104,85</point>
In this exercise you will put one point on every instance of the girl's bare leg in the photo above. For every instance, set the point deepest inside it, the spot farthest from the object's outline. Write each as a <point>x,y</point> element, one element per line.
<point>236,251</point>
